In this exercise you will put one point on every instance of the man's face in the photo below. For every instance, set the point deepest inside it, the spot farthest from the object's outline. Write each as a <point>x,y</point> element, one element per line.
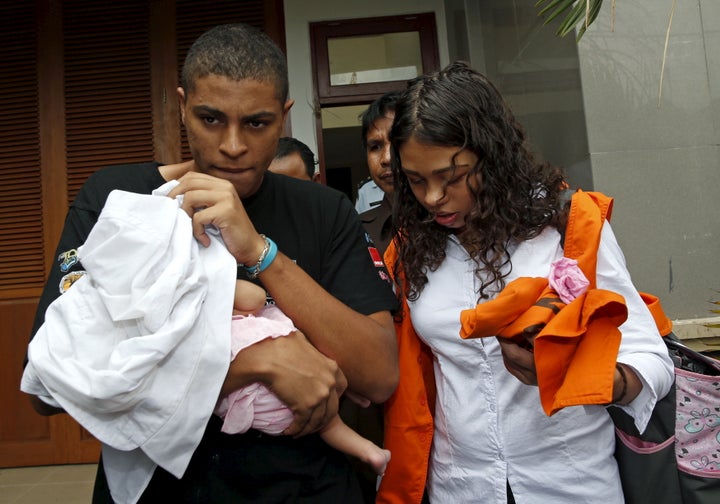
<point>378,152</point>
<point>291,165</point>
<point>233,128</point>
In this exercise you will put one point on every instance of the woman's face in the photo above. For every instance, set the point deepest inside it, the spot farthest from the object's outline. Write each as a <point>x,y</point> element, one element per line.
<point>438,183</point>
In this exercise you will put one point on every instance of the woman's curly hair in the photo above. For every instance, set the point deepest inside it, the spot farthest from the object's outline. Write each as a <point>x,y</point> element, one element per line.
<point>516,195</point>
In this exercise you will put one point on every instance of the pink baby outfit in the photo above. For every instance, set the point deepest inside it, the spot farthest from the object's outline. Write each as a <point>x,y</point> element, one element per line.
<point>255,406</point>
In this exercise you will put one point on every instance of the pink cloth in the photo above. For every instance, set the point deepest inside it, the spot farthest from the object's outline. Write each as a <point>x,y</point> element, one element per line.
<point>255,406</point>
<point>567,279</point>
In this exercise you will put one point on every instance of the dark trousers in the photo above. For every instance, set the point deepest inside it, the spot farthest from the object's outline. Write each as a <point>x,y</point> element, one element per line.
<point>252,468</point>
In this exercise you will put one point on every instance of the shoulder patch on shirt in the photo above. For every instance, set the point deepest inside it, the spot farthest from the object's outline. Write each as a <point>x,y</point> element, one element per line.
<point>69,279</point>
<point>376,257</point>
<point>67,260</point>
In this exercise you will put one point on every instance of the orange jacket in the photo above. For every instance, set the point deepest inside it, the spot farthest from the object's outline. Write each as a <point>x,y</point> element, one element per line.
<point>576,346</point>
<point>408,413</point>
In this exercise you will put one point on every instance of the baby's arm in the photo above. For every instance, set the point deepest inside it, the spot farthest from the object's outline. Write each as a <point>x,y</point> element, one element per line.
<point>249,298</point>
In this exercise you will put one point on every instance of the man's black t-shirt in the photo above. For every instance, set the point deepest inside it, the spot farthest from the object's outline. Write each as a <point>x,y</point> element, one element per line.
<point>319,229</point>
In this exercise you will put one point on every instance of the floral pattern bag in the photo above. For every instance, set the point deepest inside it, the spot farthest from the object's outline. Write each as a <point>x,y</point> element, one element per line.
<point>677,459</point>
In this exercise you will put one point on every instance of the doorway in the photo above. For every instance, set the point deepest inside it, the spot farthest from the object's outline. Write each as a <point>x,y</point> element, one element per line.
<point>354,62</point>
<point>344,158</point>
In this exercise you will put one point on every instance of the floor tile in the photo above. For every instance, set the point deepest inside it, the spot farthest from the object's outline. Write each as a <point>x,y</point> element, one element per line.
<point>57,493</point>
<point>10,494</point>
<point>71,473</point>
<point>60,484</point>
<point>24,475</point>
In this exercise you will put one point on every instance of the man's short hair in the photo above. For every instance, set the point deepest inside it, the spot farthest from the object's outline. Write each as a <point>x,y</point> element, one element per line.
<point>289,145</point>
<point>238,52</point>
<point>377,109</point>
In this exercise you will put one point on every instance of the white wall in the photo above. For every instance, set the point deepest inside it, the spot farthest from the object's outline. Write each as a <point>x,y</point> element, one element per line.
<point>298,15</point>
<point>661,161</point>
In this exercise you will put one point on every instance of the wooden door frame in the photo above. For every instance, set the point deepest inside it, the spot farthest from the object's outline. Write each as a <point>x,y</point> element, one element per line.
<point>359,94</point>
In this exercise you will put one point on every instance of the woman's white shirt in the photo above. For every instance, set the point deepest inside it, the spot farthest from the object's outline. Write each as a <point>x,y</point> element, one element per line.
<point>489,427</point>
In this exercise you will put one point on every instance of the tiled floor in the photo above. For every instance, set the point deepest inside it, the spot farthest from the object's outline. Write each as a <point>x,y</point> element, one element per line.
<point>62,484</point>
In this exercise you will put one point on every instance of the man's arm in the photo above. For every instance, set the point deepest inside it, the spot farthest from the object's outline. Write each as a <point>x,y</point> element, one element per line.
<point>363,346</point>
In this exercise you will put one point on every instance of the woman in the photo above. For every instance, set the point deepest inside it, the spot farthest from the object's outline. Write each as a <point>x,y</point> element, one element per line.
<point>474,210</point>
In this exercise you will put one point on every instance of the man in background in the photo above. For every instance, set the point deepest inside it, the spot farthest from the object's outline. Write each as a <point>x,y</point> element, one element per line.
<point>294,159</point>
<point>377,121</point>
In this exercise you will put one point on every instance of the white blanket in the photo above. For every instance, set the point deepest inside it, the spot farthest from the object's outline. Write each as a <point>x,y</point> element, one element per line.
<point>138,348</point>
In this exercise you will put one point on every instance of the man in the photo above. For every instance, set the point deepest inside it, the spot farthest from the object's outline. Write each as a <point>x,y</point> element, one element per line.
<point>376,124</point>
<point>294,159</point>
<point>234,102</point>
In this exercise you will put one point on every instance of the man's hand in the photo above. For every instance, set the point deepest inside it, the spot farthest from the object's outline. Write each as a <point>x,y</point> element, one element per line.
<point>213,201</point>
<point>305,380</point>
<point>519,361</point>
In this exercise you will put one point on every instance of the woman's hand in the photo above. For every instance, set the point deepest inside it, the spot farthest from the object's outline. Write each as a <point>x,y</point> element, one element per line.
<point>519,361</point>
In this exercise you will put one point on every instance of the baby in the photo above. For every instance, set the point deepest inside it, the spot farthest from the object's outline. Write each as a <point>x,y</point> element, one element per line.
<point>255,406</point>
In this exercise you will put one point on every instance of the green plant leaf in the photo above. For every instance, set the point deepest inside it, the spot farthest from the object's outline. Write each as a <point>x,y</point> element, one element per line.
<point>565,4</point>
<point>577,15</point>
<point>594,11</point>
<point>580,13</point>
<point>573,17</point>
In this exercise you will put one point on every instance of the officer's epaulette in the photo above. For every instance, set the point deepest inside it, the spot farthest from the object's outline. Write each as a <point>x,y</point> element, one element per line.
<point>363,182</point>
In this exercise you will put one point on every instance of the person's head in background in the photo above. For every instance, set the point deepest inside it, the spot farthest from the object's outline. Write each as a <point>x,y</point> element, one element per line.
<point>376,123</point>
<point>234,103</point>
<point>294,159</point>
